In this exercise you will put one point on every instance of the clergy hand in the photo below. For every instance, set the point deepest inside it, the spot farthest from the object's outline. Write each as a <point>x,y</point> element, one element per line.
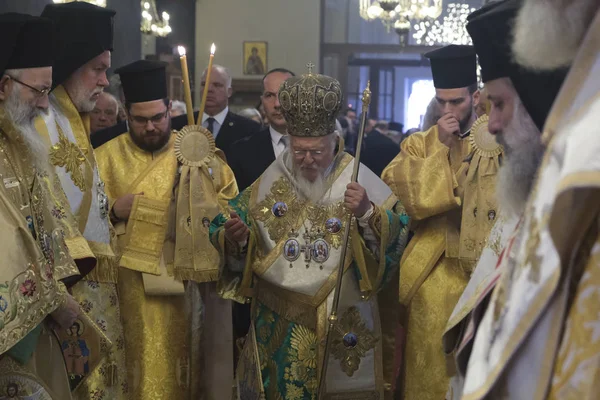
<point>66,315</point>
<point>235,229</point>
<point>448,129</point>
<point>122,207</point>
<point>356,199</point>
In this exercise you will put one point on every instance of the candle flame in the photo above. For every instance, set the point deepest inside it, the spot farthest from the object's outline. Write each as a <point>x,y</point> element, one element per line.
<point>212,49</point>
<point>181,50</point>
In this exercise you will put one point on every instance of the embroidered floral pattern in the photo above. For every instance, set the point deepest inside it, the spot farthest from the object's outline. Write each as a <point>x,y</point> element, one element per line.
<point>27,288</point>
<point>58,212</point>
<point>304,341</point>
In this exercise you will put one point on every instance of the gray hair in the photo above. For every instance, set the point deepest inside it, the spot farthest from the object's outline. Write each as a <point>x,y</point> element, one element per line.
<point>178,105</point>
<point>250,113</point>
<point>223,71</point>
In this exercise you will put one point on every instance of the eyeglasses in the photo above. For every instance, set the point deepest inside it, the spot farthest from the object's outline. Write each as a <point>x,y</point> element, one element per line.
<point>39,92</point>
<point>157,119</point>
<point>302,153</point>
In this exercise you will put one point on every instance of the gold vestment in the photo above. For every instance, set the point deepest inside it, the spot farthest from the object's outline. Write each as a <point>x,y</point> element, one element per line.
<point>449,195</point>
<point>154,309</point>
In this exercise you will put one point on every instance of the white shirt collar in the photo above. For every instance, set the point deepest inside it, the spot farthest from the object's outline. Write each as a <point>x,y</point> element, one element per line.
<point>220,117</point>
<point>275,136</point>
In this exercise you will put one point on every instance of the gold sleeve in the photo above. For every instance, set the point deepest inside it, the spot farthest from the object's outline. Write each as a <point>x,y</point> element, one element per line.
<point>421,176</point>
<point>227,189</point>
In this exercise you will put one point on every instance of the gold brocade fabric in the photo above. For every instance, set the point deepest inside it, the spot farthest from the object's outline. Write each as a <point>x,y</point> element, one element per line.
<point>577,366</point>
<point>100,302</point>
<point>125,169</point>
<point>156,337</point>
<point>447,198</point>
<point>429,311</point>
<point>40,199</point>
<point>203,193</point>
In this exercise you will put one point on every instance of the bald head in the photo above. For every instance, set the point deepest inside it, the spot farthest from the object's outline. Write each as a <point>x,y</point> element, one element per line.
<point>104,113</point>
<point>219,90</point>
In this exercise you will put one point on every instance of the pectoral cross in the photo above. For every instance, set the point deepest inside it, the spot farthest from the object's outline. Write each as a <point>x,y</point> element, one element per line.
<point>307,248</point>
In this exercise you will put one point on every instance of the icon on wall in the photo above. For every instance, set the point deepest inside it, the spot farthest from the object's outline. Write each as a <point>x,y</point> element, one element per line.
<point>255,58</point>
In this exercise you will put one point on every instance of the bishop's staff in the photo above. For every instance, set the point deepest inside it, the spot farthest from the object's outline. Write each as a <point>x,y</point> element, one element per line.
<point>350,219</point>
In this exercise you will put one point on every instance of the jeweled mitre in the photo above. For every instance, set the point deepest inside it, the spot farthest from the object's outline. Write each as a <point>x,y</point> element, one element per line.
<point>310,104</point>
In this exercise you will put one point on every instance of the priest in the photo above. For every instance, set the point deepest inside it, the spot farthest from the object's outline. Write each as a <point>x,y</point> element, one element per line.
<point>38,234</point>
<point>164,290</point>
<point>281,243</point>
<point>445,177</point>
<point>520,101</point>
<point>538,337</point>
<point>82,52</point>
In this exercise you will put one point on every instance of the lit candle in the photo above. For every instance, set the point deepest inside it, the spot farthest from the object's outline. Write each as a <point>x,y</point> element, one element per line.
<point>206,84</point>
<point>186,85</point>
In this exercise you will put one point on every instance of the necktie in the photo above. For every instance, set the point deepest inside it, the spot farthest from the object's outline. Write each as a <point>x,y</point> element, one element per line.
<point>211,124</point>
<point>285,140</point>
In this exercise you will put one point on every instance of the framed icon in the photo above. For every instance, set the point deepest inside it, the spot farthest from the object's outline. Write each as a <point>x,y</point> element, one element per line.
<point>255,58</point>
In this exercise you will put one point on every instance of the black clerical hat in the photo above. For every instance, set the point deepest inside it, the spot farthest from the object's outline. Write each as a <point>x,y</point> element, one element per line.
<point>491,29</point>
<point>83,31</point>
<point>26,41</point>
<point>453,66</point>
<point>144,80</point>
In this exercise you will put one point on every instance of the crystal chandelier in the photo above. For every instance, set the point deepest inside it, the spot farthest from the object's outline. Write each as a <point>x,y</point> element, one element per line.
<point>398,14</point>
<point>151,23</point>
<point>450,31</point>
<point>99,3</point>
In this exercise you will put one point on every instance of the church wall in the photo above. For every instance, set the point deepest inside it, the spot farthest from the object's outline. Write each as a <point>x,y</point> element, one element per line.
<point>291,28</point>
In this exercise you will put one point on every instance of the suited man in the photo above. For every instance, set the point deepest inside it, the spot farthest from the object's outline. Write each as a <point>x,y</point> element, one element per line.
<point>250,157</point>
<point>226,126</point>
<point>378,149</point>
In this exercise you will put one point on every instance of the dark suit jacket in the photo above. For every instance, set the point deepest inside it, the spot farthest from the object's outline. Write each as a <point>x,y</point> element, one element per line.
<point>378,151</point>
<point>234,128</point>
<point>250,157</point>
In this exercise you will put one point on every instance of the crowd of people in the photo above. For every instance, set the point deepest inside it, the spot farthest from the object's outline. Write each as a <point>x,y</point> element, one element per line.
<point>147,257</point>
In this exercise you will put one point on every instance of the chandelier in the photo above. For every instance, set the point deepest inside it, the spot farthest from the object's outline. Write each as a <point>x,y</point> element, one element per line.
<point>151,23</point>
<point>99,3</point>
<point>450,31</point>
<point>398,14</point>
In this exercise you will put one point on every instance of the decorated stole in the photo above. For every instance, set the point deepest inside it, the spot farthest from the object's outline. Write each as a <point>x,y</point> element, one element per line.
<point>78,343</point>
<point>195,259</point>
<point>142,245</point>
<point>479,209</point>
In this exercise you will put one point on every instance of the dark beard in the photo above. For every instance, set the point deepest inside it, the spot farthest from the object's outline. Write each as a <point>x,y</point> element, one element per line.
<point>154,146</point>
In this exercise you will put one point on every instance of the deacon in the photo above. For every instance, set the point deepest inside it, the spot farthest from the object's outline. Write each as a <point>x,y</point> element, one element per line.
<point>142,173</point>
<point>538,337</point>
<point>37,232</point>
<point>520,101</point>
<point>83,44</point>
<point>445,177</point>
<point>282,242</point>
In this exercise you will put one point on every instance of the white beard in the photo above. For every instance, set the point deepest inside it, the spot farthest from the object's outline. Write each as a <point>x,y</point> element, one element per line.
<point>523,155</point>
<point>81,98</point>
<point>22,116</point>
<point>548,33</point>
<point>305,189</point>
